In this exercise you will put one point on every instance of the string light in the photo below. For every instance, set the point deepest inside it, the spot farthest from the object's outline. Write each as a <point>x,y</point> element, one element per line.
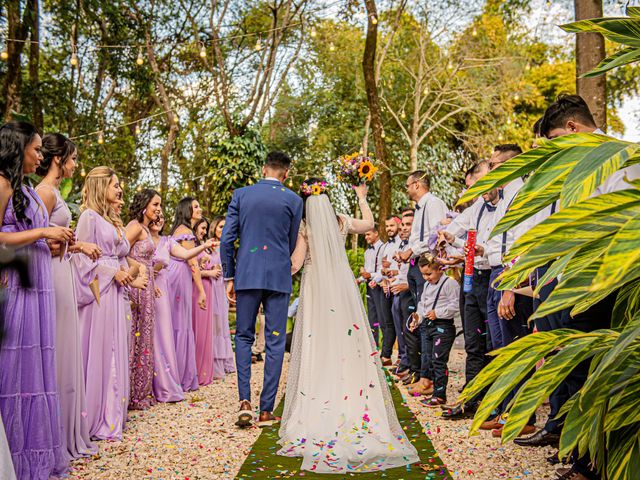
<point>382,135</point>
<point>74,59</point>
<point>474,32</point>
<point>500,137</point>
<point>527,66</point>
<point>290,183</point>
<point>450,66</point>
<point>374,19</point>
<point>508,121</point>
<point>171,189</point>
<point>83,172</point>
<point>332,47</point>
<point>100,138</point>
<point>313,32</point>
<point>4,55</point>
<point>203,51</point>
<point>516,97</point>
<point>258,46</point>
<point>403,115</point>
<point>425,91</point>
<point>139,188</point>
<point>140,59</point>
<point>138,130</point>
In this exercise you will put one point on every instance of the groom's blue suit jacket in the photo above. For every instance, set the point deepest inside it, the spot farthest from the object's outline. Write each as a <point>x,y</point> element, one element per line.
<point>266,217</point>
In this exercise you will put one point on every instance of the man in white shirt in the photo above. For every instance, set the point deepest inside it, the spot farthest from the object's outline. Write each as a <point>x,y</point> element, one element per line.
<point>372,258</point>
<point>409,369</point>
<point>479,216</point>
<point>430,210</point>
<point>570,114</point>
<point>385,314</point>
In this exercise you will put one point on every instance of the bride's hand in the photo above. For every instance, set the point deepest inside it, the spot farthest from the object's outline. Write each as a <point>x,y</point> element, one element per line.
<point>361,191</point>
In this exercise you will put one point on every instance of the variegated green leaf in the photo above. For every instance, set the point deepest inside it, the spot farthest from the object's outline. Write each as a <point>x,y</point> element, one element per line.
<point>623,448</point>
<point>621,57</point>
<point>575,281</point>
<point>529,161</point>
<point>529,351</point>
<point>627,304</point>
<point>617,29</point>
<point>623,409</point>
<point>593,169</point>
<point>545,380</point>
<point>621,256</point>
<point>554,270</point>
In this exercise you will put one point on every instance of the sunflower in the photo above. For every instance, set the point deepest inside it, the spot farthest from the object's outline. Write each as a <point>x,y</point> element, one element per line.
<point>367,170</point>
<point>316,189</point>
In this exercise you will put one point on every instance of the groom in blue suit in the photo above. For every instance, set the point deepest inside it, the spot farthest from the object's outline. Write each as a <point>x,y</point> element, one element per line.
<point>266,218</point>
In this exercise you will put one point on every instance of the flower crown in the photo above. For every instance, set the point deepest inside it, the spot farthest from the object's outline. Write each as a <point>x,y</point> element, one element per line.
<point>315,188</point>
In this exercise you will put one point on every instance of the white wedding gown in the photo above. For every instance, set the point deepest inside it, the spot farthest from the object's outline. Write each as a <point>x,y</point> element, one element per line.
<point>338,413</point>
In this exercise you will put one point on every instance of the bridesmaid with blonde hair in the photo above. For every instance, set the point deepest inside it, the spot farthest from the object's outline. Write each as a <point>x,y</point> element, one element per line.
<point>102,305</point>
<point>59,162</point>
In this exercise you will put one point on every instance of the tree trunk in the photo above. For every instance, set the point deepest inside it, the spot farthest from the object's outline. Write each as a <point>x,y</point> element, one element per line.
<point>34,67</point>
<point>413,155</point>
<point>17,29</point>
<point>589,53</point>
<point>369,69</point>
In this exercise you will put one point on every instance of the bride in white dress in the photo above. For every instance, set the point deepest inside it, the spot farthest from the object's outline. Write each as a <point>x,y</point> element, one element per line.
<point>338,414</point>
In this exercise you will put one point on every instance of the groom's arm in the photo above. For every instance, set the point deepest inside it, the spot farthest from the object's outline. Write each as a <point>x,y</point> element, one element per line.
<point>227,242</point>
<point>295,226</point>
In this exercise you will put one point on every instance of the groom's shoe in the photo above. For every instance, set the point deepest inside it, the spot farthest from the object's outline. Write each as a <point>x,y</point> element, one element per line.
<point>266,419</point>
<point>245,415</point>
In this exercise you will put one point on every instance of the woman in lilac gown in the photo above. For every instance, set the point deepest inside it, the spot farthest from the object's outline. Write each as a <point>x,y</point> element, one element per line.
<point>180,274</point>
<point>58,163</point>
<point>166,380</point>
<point>102,305</point>
<point>144,209</point>
<point>29,402</point>
<point>223,358</point>
<point>203,319</point>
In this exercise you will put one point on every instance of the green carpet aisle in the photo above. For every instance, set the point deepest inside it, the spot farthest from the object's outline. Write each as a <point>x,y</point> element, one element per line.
<point>263,462</point>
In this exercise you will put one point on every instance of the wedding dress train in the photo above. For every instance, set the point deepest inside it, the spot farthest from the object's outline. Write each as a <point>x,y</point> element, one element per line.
<point>338,412</point>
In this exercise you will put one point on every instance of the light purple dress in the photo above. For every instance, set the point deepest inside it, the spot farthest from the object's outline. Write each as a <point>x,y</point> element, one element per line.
<point>166,380</point>
<point>142,319</point>
<point>203,326</point>
<point>223,357</point>
<point>104,327</point>
<point>180,279</point>
<point>29,401</point>
<point>73,412</point>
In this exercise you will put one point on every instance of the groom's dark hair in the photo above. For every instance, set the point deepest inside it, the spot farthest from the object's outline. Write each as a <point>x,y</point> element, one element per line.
<point>278,161</point>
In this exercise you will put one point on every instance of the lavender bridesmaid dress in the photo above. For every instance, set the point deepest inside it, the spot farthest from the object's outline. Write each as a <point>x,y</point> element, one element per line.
<point>29,401</point>
<point>166,379</point>
<point>73,412</point>
<point>203,326</point>
<point>104,327</point>
<point>223,357</point>
<point>180,279</point>
<point>142,320</point>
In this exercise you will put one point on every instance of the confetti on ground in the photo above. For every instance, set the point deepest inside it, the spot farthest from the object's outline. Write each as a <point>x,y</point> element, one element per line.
<point>196,439</point>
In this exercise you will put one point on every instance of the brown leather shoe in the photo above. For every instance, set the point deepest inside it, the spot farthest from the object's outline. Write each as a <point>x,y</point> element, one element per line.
<point>492,424</point>
<point>420,389</point>
<point>245,415</point>
<point>266,419</point>
<point>386,362</point>
<point>526,430</point>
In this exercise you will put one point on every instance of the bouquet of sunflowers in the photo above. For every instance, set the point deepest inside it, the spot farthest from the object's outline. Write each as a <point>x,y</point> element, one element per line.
<point>356,169</point>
